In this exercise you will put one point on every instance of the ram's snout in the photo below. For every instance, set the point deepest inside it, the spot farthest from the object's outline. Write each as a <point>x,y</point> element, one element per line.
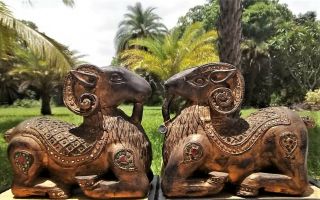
<point>141,89</point>
<point>176,86</point>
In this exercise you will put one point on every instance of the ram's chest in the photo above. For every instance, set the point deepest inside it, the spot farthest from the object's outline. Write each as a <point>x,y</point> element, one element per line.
<point>186,124</point>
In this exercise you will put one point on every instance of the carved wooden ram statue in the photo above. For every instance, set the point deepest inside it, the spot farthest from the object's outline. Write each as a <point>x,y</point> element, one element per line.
<point>208,144</point>
<point>107,155</point>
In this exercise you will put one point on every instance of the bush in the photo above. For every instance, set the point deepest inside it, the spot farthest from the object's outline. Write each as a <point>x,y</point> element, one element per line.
<point>276,99</point>
<point>26,103</point>
<point>313,97</point>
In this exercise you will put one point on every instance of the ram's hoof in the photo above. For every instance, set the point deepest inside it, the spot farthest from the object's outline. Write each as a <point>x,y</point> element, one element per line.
<point>247,191</point>
<point>86,182</point>
<point>58,193</point>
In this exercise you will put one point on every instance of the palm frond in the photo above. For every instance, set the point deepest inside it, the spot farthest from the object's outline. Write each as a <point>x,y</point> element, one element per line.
<point>37,41</point>
<point>69,3</point>
<point>4,9</point>
<point>138,22</point>
<point>173,53</point>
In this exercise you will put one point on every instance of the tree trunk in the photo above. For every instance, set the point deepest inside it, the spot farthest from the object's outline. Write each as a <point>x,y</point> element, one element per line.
<point>58,97</point>
<point>45,104</point>
<point>229,30</point>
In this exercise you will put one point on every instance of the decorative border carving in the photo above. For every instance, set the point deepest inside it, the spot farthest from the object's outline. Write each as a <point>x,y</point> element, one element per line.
<point>259,123</point>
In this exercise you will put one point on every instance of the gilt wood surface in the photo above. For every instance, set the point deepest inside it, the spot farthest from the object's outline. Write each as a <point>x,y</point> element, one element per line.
<point>313,192</point>
<point>156,194</point>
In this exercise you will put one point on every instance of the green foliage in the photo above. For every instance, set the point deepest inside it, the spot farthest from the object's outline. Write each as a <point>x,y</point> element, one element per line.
<point>279,50</point>
<point>262,19</point>
<point>256,66</point>
<point>26,103</point>
<point>314,144</point>
<point>39,75</point>
<point>8,84</point>
<point>296,51</point>
<point>22,51</point>
<point>173,53</point>
<point>69,3</point>
<point>313,97</point>
<point>208,14</point>
<point>38,42</point>
<point>138,23</point>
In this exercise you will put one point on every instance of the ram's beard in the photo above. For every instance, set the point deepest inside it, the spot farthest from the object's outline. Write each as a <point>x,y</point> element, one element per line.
<point>166,106</point>
<point>137,113</point>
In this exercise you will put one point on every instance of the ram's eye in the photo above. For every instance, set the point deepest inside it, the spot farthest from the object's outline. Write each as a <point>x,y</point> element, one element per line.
<point>117,78</point>
<point>220,76</point>
<point>199,81</point>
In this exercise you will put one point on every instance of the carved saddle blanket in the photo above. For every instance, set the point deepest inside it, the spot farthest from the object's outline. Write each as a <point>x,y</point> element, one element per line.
<point>259,123</point>
<point>68,149</point>
<point>61,144</point>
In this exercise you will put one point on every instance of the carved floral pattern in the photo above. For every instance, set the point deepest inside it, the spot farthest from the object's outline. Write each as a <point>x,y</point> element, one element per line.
<point>124,159</point>
<point>289,142</point>
<point>192,152</point>
<point>23,161</point>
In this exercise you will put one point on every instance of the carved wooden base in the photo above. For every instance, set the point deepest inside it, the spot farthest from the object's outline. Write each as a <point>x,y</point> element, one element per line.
<point>78,194</point>
<point>312,193</point>
<point>155,193</point>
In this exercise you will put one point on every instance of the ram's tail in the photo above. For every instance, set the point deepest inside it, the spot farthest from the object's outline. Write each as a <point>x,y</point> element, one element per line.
<point>309,122</point>
<point>8,135</point>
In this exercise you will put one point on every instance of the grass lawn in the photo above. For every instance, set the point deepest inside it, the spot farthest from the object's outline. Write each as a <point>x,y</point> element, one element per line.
<point>11,116</point>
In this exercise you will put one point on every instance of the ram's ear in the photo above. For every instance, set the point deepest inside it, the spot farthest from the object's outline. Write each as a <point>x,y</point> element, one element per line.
<point>87,79</point>
<point>219,76</point>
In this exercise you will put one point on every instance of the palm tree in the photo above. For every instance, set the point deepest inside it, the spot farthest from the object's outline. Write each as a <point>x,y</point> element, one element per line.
<point>174,52</point>
<point>37,41</point>
<point>39,75</point>
<point>229,29</point>
<point>13,34</point>
<point>41,78</point>
<point>256,61</point>
<point>138,23</point>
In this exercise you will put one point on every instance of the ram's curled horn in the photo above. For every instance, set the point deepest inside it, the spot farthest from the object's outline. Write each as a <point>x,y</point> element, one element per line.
<point>81,100</point>
<point>228,98</point>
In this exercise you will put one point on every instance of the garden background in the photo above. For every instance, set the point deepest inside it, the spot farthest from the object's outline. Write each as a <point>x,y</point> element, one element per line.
<point>276,50</point>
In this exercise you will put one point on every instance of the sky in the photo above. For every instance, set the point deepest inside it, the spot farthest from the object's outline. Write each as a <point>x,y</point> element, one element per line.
<point>90,26</point>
